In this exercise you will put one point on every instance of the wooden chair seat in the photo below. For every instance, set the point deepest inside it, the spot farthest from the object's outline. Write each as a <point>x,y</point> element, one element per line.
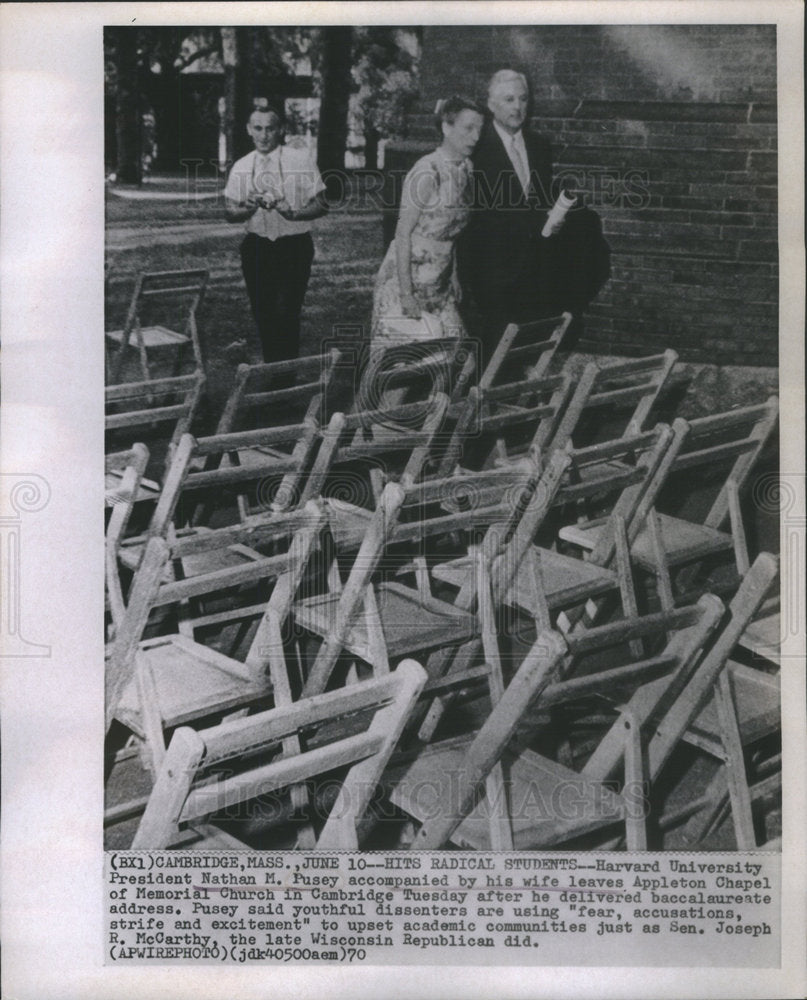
<point>146,490</point>
<point>154,336</point>
<point>533,781</point>
<point>757,697</point>
<point>131,552</point>
<point>256,457</point>
<point>348,523</point>
<point>683,541</point>
<point>763,637</point>
<point>409,620</point>
<point>189,681</point>
<point>563,577</point>
<point>250,758</point>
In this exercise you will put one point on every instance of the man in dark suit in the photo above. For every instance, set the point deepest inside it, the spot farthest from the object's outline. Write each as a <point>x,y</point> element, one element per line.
<point>500,252</point>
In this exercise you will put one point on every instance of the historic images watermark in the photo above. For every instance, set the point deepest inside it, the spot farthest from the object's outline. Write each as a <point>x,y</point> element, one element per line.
<point>782,493</point>
<point>20,493</point>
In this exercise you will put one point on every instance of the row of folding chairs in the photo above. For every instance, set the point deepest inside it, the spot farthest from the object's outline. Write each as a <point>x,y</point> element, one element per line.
<point>478,427</point>
<point>425,520</point>
<point>488,789</point>
<point>265,394</point>
<point>373,622</point>
<point>266,471</point>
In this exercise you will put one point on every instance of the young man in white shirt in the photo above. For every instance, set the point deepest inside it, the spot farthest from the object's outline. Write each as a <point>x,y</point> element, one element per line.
<point>278,192</point>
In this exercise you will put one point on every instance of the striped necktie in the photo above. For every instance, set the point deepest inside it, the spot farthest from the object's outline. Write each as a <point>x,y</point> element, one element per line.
<point>520,163</point>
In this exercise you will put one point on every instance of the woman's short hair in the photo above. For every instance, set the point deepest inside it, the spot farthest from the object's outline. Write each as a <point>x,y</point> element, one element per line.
<point>447,109</point>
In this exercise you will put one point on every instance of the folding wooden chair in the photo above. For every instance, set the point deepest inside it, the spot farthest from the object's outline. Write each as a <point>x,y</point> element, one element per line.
<point>153,685</point>
<point>128,469</point>
<point>648,728</point>
<point>614,400</point>
<point>377,621</point>
<point>668,540</point>
<point>186,493</point>
<point>414,371</point>
<point>551,674</point>
<point>525,350</point>
<point>127,551</point>
<point>744,708</point>
<point>162,313</point>
<point>354,728</point>
<point>360,451</point>
<point>150,405</point>
<point>263,391</point>
<point>263,469</point>
<point>499,425</point>
<point>542,580</point>
<point>378,624</point>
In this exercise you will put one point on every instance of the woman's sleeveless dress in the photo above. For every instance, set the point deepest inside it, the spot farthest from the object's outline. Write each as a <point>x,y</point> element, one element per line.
<point>441,221</point>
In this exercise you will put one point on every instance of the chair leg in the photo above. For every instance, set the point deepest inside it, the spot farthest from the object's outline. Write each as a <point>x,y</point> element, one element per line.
<point>737,529</point>
<point>703,821</point>
<point>635,786</point>
<point>144,361</point>
<point>625,578</point>
<point>735,764</point>
<point>150,716</point>
<point>662,569</point>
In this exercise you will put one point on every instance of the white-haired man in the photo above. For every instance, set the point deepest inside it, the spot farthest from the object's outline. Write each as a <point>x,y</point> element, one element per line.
<point>512,180</point>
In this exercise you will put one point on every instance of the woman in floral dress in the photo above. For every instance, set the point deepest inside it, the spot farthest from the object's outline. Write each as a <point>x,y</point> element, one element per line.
<point>417,280</point>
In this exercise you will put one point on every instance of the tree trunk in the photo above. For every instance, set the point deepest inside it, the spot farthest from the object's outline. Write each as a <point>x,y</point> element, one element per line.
<point>127,107</point>
<point>244,90</point>
<point>371,137</point>
<point>229,50</point>
<point>336,82</point>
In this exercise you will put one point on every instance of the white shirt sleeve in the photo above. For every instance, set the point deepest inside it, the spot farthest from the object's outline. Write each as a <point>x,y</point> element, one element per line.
<point>302,180</point>
<point>239,184</point>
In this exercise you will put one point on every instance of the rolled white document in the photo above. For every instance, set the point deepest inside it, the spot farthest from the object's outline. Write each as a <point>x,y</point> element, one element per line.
<point>558,213</point>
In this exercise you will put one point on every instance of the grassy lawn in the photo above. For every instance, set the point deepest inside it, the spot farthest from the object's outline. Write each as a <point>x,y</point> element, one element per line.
<point>147,233</point>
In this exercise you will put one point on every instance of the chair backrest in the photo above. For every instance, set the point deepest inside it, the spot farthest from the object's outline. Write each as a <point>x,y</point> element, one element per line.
<point>489,419</point>
<point>157,401</point>
<point>297,533</point>
<point>525,350</point>
<point>730,443</point>
<point>414,371</point>
<point>272,460</point>
<point>357,726</point>
<point>354,592</point>
<point>614,399</point>
<point>263,391</point>
<point>494,504</point>
<point>181,289</point>
<point>630,470</point>
<point>545,678</point>
<point>132,465</point>
<point>671,703</point>
<point>398,437</point>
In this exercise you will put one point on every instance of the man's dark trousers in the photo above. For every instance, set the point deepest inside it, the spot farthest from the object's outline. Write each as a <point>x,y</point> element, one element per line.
<point>276,273</point>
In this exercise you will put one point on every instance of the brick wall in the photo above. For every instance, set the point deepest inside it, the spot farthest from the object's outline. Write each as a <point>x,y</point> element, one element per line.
<point>671,133</point>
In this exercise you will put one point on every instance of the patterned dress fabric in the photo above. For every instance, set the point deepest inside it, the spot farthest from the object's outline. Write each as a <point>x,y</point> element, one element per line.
<point>442,218</point>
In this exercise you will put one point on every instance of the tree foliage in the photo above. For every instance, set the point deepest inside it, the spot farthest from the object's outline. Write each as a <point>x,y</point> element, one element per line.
<point>385,72</point>
<point>375,66</point>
